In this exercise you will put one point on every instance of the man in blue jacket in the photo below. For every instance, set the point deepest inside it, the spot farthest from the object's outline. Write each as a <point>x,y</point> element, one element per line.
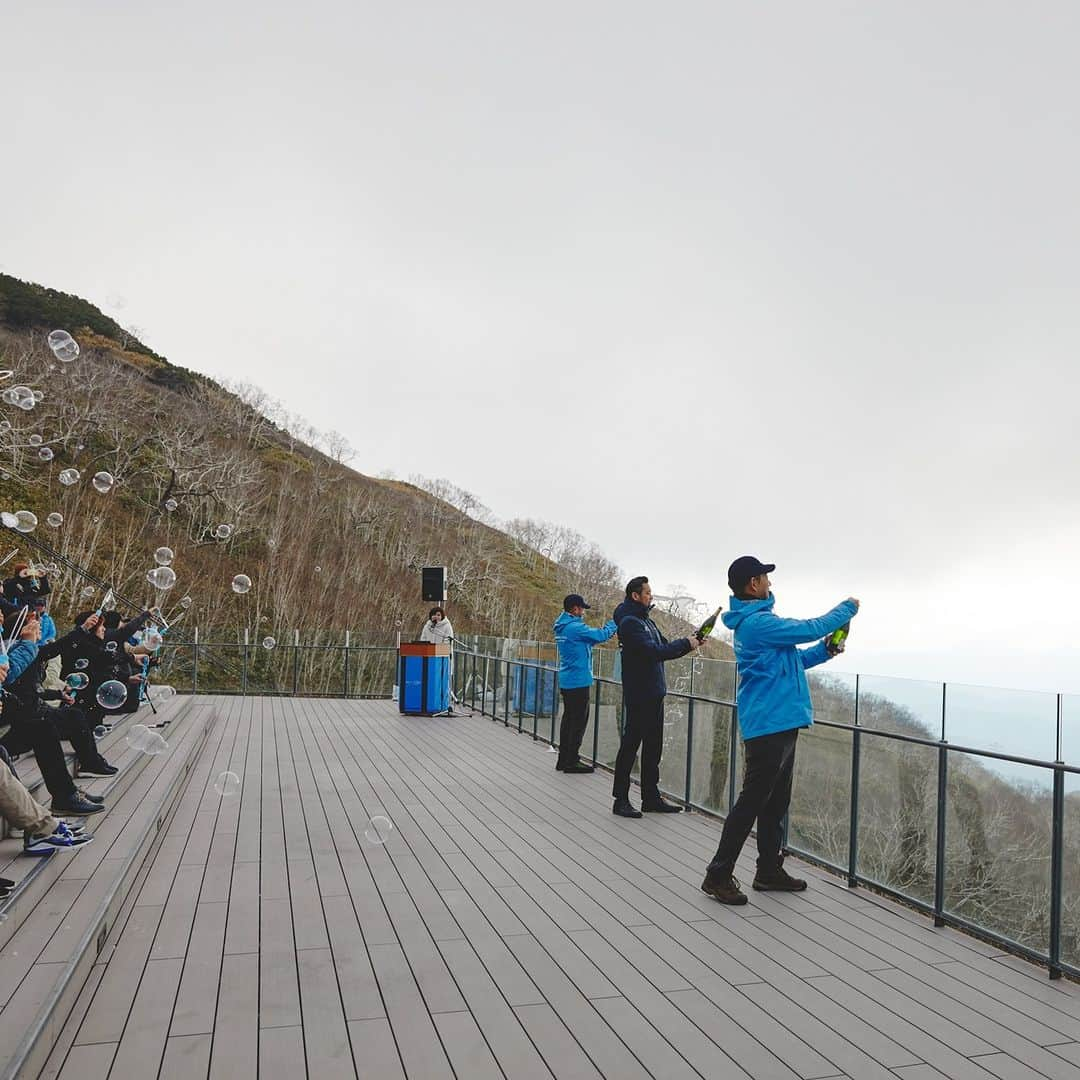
<point>774,702</point>
<point>575,640</point>
<point>644,652</point>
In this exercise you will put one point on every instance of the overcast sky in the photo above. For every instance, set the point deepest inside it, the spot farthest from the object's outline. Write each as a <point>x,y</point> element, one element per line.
<point>697,279</point>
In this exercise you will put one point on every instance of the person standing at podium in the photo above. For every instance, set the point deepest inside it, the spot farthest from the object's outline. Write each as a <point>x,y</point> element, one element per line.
<point>575,640</point>
<point>437,628</point>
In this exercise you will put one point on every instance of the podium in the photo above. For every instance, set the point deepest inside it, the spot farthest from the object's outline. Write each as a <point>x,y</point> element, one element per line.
<point>423,678</point>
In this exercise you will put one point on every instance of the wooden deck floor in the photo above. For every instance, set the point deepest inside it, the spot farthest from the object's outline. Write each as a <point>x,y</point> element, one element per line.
<point>510,926</point>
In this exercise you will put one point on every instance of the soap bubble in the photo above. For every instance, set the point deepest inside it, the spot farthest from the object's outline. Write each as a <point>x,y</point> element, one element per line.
<point>6,375</point>
<point>9,397</point>
<point>111,694</point>
<point>21,393</point>
<point>87,591</point>
<point>223,532</point>
<point>163,693</point>
<point>227,783</point>
<point>110,647</point>
<point>82,663</point>
<point>378,830</point>
<point>25,521</point>
<point>154,744</point>
<point>163,556</point>
<point>45,453</point>
<point>161,577</point>
<point>241,583</point>
<point>318,569</point>
<point>5,426</point>
<point>268,643</point>
<point>171,505</point>
<point>271,543</point>
<point>136,736</point>
<point>39,395</point>
<point>35,440</point>
<point>65,348</point>
<point>77,680</point>
<point>103,482</point>
<point>55,520</point>
<point>27,403</point>
<point>185,602</point>
<point>8,519</point>
<point>68,477</point>
<point>152,639</point>
<point>100,731</point>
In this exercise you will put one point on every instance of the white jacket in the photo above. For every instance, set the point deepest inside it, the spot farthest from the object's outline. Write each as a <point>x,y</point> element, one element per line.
<point>440,632</point>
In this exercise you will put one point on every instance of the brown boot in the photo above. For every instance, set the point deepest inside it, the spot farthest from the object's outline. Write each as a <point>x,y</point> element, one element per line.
<point>725,889</point>
<point>777,879</point>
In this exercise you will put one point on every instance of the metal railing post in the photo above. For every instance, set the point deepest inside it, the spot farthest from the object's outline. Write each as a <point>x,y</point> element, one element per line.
<point>1057,850</point>
<point>733,749</point>
<point>296,663</point>
<point>853,822</point>
<point>689,741</point>
<point>195,662</point>
<point>507,694</point>
<point>942,798</point>
<point>483,690</point>
<point>599,687</point>
<point>244,666</point>
<point>346,677</point>
<point>536,693</point>
<point>472,701</point>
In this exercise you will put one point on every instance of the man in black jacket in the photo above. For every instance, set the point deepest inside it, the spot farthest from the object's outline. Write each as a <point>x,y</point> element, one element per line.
<point>644,652</point>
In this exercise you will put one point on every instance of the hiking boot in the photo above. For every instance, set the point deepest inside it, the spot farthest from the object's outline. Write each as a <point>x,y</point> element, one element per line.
<point>725,889</point>
<point>579,767</point>
<point>625,808</point>
<point>659,806</point>
<point>777,880</point>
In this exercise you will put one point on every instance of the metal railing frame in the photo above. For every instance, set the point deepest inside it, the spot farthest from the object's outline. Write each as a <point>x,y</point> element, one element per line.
<point>1058,770</point>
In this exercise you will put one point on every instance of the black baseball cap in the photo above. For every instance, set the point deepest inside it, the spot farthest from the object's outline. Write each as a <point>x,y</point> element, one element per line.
<point>574,600</point>
<point>743,569</point>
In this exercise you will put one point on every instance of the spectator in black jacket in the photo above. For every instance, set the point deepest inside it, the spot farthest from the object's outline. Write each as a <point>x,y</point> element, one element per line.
<point>36,727</point>
<point>644,652</point>
<point>25,585</point>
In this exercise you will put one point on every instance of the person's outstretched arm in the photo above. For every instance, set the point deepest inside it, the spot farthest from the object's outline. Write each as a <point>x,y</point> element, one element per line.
<point>773,632</point>
<point>635,638</point>
<point>578,631</point>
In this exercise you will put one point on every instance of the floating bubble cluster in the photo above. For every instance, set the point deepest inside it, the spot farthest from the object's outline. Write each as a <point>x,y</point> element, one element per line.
<point>161,577</point>
<point>65,348</point>
<point>111,694</point>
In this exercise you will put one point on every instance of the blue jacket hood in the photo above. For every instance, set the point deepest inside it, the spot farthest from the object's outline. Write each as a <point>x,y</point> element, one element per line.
<point>564,618</point>
<point>739,609</point>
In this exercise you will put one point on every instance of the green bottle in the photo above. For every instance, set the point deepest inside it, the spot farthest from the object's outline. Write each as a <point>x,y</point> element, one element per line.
<point>706,628</point>
<point>836,641</point>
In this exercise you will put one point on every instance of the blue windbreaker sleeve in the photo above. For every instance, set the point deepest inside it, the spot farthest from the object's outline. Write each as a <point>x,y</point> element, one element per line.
<point>20,656</point>
<point>635,638</point>
<point>578,631</point>
<point>816,654</point>
<point>773,632</point>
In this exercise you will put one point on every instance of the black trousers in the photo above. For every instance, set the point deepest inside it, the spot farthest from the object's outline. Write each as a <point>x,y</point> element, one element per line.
<point>765,796</point>
<point>645,729</point>
<point>575,718</point>
<point>38,733</point>
<point>73,725</point>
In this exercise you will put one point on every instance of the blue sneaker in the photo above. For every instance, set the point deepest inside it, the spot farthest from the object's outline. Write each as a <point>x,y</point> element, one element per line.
<point>42,845</point>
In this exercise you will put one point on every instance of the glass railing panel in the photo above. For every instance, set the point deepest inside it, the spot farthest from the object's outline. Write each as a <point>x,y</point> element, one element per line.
<point>908,706</point>
<point>833,695</point>
<point>897,824</point>
<point>1018,722</point>
<point>712,753</point>
<point>714,679</point>
<point>610,732</point>
<point>673,755</point>
<point>820,814</point>
<point>997,848</point>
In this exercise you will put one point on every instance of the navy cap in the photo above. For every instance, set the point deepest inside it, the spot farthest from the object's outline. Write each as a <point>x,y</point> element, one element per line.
<point>743,569</point>
<point>574,600</point>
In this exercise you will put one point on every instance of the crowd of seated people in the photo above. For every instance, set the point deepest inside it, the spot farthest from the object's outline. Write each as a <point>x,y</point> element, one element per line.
<point>42,706</point>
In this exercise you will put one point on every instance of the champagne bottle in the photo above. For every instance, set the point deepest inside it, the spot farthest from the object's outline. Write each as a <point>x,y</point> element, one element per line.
<point>706,628</point>
<point>836,641</point>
